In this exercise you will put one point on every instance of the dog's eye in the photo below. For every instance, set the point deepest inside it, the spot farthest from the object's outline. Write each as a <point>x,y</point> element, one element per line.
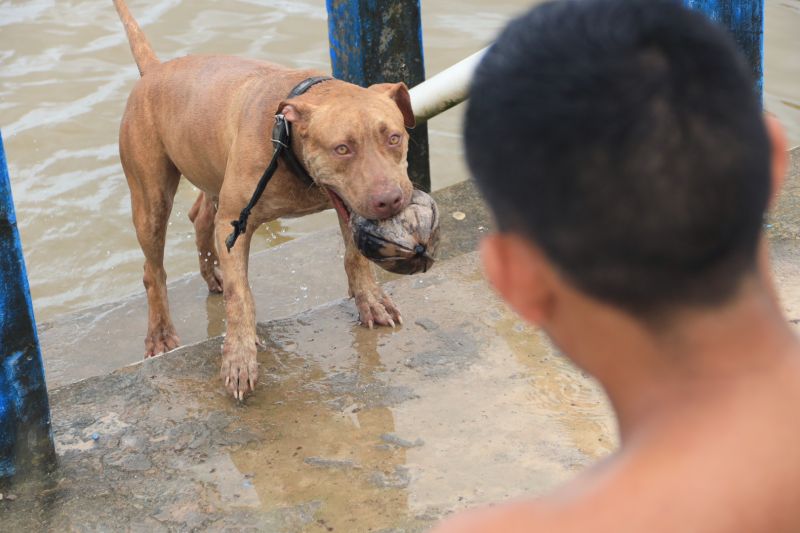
<point>394,140</point>
<point>342,149</point>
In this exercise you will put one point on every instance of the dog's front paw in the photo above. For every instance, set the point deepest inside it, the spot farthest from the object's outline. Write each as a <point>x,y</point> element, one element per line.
<point>239,369</point>
<point>375,307</point>
<point>160,340</point>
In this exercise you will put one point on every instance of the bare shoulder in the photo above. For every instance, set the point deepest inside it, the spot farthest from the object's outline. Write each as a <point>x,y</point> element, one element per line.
<point>579,506</point>
<point>692,482</point>
<point>722,461</point>
<point>530,517</point>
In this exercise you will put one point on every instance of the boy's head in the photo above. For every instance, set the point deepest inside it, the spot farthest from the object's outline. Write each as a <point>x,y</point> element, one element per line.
<point>624,140</point>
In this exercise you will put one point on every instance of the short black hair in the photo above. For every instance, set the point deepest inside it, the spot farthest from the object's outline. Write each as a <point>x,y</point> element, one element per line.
<point>626,139</point>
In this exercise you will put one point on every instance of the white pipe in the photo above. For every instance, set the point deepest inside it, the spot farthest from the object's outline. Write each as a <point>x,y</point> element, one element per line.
<point>445,89</point>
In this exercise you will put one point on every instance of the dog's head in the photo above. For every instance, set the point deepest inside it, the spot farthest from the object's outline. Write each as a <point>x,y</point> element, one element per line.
<point>354,142</point>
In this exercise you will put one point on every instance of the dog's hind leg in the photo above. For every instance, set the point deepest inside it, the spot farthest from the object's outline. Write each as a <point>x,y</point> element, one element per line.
<point>202,216</point>
<point>153,180</point>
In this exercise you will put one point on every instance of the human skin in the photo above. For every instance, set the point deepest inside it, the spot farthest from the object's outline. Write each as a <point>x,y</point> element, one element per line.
<point>706,402</point>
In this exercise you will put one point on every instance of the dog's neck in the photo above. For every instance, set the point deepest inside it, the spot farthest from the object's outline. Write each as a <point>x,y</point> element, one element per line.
<point>290,158</point>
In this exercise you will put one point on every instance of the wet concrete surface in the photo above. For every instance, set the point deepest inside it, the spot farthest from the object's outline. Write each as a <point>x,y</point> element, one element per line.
<point>350,429</point>
<point>290,278</point>
<point>784,221</point>
<point>286,279</point>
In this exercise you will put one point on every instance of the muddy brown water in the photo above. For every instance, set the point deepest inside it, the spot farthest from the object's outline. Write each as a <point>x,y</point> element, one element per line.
<point>67,71</point>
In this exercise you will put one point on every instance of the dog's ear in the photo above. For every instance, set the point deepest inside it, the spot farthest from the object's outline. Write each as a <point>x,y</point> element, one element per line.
<point>399,93</point>
<point>295,110</point>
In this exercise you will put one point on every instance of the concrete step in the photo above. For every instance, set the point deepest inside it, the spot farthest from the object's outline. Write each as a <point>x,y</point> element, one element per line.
<point>350,429</point>
<point>286,280</point>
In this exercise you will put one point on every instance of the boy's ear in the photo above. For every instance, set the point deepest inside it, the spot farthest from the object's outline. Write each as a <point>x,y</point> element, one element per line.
<point>519,273</point>
<point>779,158</point>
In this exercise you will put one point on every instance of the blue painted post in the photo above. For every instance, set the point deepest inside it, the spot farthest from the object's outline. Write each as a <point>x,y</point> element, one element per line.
<point>745,19</point>
<point>26,442</point>
<point>378,41</point>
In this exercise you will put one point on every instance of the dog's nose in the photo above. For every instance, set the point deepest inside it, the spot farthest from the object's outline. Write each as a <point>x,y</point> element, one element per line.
<point>386,204</point>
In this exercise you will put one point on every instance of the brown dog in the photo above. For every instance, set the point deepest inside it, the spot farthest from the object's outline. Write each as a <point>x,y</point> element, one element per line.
<point>210,119</point>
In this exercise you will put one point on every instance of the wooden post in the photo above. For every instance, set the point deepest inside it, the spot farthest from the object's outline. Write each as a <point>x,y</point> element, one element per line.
<point>375,41</point>
<point>26,442</point>
<point>745,19</point>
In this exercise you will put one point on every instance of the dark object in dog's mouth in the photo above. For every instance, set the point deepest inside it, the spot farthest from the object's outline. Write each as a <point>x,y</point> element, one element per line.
<point>403,244</point>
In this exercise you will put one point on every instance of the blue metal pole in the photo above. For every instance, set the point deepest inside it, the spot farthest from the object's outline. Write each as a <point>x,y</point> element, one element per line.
<point>745,19</point>
<point>26,442</point>
<point>378,41</point>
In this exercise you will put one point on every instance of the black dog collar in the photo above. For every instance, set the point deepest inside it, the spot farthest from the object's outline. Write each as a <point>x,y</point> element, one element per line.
<point>291,159</point>
<point>282,142</point>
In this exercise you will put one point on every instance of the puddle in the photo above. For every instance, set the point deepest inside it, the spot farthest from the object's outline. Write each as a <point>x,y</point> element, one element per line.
<point>350,430</point>
<point>385,428</point>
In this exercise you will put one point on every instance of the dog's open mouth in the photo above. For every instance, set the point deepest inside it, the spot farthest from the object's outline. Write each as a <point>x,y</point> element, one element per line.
<point>339,204</point>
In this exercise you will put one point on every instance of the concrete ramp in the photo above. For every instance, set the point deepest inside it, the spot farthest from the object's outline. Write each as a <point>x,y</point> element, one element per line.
<point>285,280</point>
<point>350,429</point>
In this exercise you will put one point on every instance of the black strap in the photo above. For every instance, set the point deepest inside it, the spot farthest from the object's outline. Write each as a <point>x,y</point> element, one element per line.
<point>292,162</point>
<point>281,140</point>
<point>295,166</point>
<point>306,84</point>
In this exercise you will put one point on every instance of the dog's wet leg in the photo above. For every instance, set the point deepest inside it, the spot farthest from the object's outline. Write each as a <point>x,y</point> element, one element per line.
<point>202,216</point>
<point>153,182</point>
<point>239,370</point>
<point>374,306</point>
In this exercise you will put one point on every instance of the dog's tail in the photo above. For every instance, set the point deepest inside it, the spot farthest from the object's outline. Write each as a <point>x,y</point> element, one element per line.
<point>140,47</point>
